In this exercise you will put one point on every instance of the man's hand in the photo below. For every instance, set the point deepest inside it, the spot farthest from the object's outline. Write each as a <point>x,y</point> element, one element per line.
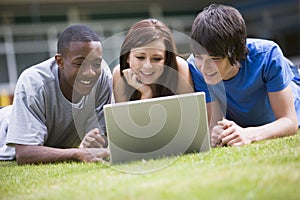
<point>216,132</point>
<point>93,139</point>
<point>232,134</point>
<point>92,154</point>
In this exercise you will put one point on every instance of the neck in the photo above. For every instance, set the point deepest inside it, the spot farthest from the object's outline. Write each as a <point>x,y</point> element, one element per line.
<point>232,72</point>
<point>66,89</point>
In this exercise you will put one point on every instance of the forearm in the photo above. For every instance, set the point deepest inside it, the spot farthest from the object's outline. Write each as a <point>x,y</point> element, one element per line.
<point>279,128</point>
<point>42,154</point>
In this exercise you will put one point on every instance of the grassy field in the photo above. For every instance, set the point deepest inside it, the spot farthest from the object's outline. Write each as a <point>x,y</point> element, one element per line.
<point>264,170</point>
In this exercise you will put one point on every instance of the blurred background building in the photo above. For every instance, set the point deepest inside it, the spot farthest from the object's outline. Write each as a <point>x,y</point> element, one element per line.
<point>29,28</point>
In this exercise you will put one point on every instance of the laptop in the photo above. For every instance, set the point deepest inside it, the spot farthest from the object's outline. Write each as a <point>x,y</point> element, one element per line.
<point>157,127</point>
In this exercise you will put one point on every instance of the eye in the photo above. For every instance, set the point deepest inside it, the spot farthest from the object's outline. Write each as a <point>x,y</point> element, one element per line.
<point>78,65</point>
<point>216,58</point>
<point>97,65</point>
<point>140,57</point>
<point>157,59</point>
<point>198,57</point>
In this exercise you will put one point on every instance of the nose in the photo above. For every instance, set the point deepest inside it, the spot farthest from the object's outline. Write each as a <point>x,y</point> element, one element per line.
<point>88,70</point>
<point>206,63</point>
<point>147,63</point>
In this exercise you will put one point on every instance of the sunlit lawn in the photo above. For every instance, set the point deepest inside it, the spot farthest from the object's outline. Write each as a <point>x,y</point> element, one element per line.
<point>264,170</point>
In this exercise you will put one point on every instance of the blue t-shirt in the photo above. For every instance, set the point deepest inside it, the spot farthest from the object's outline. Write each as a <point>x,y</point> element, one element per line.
<point>264,70</point>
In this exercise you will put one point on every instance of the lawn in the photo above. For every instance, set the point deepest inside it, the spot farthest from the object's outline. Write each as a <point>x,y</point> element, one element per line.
<point>264,170</point>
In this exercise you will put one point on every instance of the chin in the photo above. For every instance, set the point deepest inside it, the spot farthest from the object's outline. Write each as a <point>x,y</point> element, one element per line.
<point>82,91</point>
<point>149,82</point>
<point>212,82</point>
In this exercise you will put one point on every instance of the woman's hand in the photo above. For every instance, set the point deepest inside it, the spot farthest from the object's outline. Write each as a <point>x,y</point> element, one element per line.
<point>134,81</point>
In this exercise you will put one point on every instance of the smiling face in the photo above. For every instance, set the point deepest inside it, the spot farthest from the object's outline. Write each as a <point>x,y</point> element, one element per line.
<point>215,69</point>
<point>148,61</point>
<point>80,68</point>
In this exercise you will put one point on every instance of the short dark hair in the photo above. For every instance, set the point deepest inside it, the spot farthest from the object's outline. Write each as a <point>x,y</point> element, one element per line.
<point>75,33</point>
<point>221,31</point>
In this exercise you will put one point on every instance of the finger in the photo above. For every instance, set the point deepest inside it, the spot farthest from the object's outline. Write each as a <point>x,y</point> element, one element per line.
<point>95,131</point>
<point>234,141</point>
<point>226,132</point>
<point>92,132</point>
<point>96,141</point>
<point>229,138</point>
<point>238,144</point>
<point>135,79</point>
<point>92,142</point>
<point>213,142</point>
<point>86,143</point>
<point>81,145</point>
<point>95,136</point>
<point>227,123</point>
<point>132,79</point>
<point>126,73</point>
<point>217,130</point>
<point>100,140</point>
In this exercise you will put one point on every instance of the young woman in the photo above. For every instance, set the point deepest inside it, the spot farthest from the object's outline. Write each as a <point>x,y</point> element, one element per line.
<point>149,66</point>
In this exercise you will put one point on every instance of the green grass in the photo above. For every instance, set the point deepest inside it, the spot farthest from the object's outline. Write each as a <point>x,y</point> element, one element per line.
<point>264,170</point>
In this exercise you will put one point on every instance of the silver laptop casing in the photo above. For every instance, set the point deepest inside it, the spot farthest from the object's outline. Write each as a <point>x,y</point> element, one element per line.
<point>157,127</point>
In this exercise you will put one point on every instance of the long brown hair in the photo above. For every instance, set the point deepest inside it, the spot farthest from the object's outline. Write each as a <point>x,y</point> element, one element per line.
<point>141,34</point>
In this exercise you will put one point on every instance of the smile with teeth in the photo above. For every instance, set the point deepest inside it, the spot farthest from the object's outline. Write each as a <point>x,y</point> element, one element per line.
<point>147,73</point>
<point>85,82</point>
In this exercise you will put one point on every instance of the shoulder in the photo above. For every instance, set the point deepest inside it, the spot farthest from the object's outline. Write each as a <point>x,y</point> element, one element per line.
<point>261,52</point>
<point>106,70</point>
<point>261,46</point>
<point>182,65</point>
<point>105,79</point>
<point>119,85</point>
<point>185,84</point>
<point>117,78</point>
<point>116,74</point>
<point>34,77</point>
<point>181,62</point>
<point>42,71</point>
<point>116,71</point>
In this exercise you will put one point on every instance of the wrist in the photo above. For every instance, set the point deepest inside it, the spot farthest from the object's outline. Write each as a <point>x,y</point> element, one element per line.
<point>146,92</point>
<point>77,154</point>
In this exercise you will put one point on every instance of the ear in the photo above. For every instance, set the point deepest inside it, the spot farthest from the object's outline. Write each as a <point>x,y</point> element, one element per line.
<point>59,60</point>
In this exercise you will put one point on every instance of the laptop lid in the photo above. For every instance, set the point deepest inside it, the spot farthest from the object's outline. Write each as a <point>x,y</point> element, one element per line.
<point>157,127</point>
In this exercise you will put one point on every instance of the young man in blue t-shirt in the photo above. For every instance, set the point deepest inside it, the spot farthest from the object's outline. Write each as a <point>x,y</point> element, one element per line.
<point>248,82</point>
